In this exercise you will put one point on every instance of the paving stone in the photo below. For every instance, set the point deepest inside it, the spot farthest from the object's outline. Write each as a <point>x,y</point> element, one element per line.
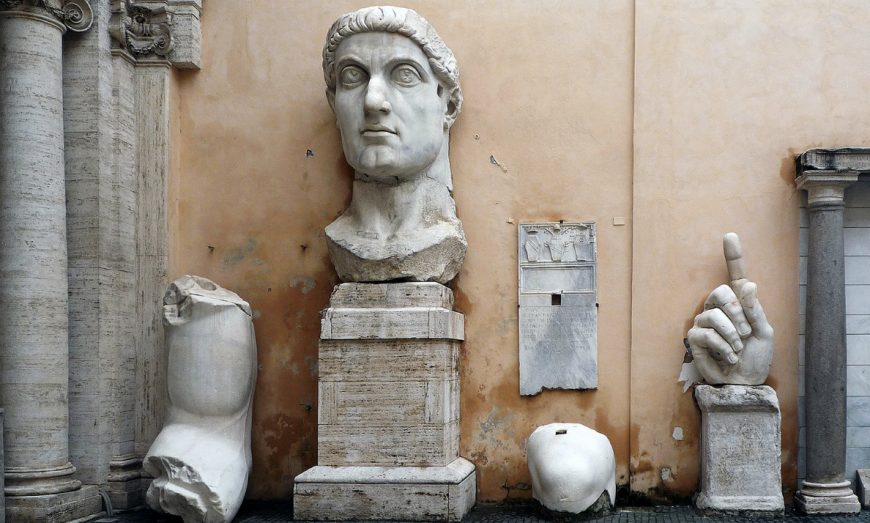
<point>282,512</point>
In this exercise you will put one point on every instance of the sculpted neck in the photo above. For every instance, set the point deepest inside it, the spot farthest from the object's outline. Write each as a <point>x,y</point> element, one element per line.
<point>382,211</point>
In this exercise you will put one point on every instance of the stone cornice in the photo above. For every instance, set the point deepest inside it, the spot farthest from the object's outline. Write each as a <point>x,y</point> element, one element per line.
<point>75,15</point>
<point>843,159</point>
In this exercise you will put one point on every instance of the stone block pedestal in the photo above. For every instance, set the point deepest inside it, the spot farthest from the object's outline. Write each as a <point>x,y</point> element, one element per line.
<point>864,487</point>
<point>388,408</point>
<point>740,449</point>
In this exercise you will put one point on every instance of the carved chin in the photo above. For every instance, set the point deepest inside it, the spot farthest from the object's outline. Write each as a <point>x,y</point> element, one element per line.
<point>376,160</point>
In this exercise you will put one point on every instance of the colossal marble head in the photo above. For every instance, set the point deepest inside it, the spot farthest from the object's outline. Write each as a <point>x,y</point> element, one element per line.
<point>394,88</point>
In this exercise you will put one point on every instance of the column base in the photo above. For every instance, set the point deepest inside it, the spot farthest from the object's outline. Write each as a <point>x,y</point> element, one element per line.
<point>125,485</point>
<point>827,498</point>
<point>51,508</point>
<point>385,493</point>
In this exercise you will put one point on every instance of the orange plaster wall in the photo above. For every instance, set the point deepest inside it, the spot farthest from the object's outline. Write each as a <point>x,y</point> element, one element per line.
<point>726,93</point>
<point>680,117</point>
<point>547,94</point>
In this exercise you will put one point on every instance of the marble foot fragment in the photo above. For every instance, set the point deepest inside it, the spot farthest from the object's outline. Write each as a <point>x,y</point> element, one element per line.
<point>201,459</point>
<point>572,466</point>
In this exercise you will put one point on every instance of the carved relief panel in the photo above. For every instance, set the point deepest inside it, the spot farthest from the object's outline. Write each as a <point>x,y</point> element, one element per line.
<point>558,307</point>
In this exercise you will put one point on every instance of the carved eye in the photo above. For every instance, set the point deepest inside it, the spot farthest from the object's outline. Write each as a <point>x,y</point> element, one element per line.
<point>406,76</point>
<point>351,76</point>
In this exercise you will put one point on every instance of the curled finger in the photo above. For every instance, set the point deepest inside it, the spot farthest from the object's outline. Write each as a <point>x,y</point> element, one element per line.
<point>713,344</point>
<point>723,297</point>
<point>717,320</point>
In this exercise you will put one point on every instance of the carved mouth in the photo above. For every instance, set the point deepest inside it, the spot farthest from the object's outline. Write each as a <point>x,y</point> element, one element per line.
<point>378,130</point>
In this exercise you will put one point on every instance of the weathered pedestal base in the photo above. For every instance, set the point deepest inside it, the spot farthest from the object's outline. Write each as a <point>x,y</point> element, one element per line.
<point>407,493</point>
<point>388,408</point>
<point>864,487</point>
<point>66,506</point>
<point>124,485</point>
<point>827,498</point>
<point>740,449</point>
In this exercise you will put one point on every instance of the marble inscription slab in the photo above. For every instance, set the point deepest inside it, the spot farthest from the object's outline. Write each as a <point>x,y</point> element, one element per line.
<point>558,314</point>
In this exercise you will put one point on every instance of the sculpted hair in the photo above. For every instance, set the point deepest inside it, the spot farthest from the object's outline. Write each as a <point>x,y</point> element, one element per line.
<point>402,21</point>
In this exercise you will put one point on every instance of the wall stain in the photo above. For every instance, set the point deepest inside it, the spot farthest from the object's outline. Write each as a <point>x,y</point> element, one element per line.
<point>235,256</point>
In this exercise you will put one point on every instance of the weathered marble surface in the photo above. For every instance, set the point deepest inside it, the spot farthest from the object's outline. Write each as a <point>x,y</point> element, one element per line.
<point>558,311</point>
<point>388,408</point>
<point>732,341</point>
<point>201,459</point>
<point>395,122</point>
<point>740,449</point>
<point>864,487</point>
<point>571,467</point>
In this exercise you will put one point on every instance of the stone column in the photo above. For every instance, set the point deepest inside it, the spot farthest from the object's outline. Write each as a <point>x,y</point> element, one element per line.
<point>34,362</point>
<point>825,489</point>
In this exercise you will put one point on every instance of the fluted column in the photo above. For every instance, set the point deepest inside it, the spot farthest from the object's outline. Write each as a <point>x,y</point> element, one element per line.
<point>826,489</point>
<point>33,259</point>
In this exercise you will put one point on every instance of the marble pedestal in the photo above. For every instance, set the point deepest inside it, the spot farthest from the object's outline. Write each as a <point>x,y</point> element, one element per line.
<point>740,449</point>
<point>388,413</point>
<point>864,487</point>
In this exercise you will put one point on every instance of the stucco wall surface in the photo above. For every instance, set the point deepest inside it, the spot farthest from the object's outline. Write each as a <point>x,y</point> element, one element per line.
<point>726,93</point>
<point>680,118</point>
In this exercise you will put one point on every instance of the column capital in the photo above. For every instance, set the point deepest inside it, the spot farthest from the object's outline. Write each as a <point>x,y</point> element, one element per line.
<point>826,187</point>
<point>149,30</point>
<point>75,15</point>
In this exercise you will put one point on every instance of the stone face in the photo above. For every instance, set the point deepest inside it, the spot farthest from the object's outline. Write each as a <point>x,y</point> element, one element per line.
<point>732,341</point>
<point>401,224</point>
<point>740,449</point>
<point>571,466</point>
<point>201,459</point>
<point>388,408</point>
<point>558,310</point>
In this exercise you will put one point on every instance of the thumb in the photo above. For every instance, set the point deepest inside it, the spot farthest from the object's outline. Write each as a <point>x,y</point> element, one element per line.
<point>748,295</point>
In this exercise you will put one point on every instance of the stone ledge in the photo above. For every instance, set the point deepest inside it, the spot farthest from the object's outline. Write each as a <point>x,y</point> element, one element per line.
<point>391,295</point>
<point>387,493</point>
<point>742,398</point>
<point>827,504</point>
<point>454,473</point>
<point>391,323</point>
<point>730,505</point>
<point>55,508</point>
<point>842,159</point>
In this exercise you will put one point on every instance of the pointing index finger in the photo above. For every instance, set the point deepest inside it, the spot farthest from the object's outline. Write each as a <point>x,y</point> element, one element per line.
<point>734,258</point>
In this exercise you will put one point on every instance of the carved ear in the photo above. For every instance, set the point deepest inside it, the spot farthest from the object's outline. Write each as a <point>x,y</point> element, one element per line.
<point>450,113</point>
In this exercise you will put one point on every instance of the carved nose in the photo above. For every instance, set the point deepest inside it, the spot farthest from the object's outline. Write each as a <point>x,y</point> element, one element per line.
<point>376,100</point>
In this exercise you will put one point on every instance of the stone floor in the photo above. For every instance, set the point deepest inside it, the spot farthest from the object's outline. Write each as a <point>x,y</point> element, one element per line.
<point>262,512</point>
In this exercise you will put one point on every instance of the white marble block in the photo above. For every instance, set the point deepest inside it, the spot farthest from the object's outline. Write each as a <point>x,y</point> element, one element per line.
<point>740,449</point>
<point>388,408</point>
<point>201,459</point>
<point>864,487</point>
<point>571,466</point>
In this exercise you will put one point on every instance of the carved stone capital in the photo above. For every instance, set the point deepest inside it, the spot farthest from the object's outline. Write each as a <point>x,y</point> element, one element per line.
<point>75,15</point>
<point>142,30</point>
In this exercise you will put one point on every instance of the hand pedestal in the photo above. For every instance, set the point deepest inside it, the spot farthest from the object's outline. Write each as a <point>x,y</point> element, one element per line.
<point>740,449</point>
<point>388,409</point>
